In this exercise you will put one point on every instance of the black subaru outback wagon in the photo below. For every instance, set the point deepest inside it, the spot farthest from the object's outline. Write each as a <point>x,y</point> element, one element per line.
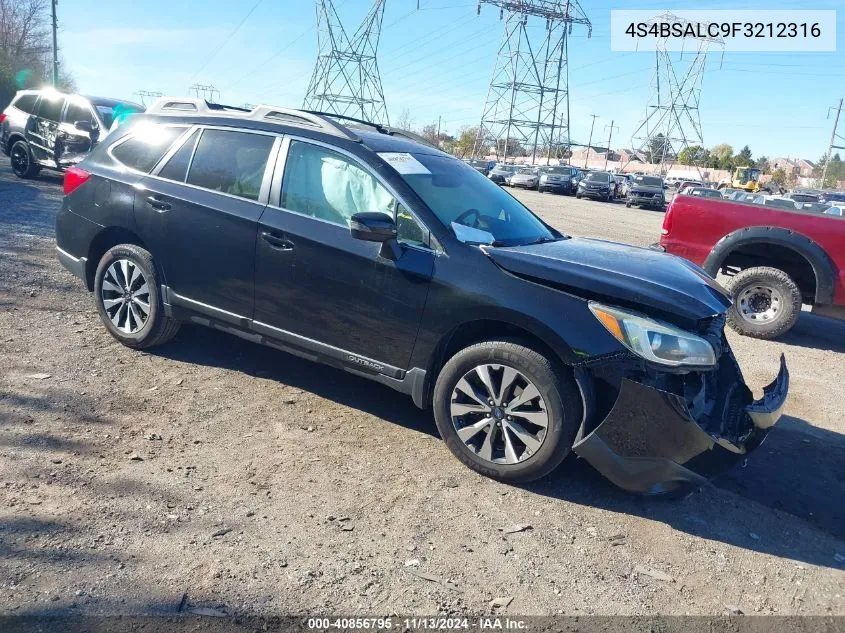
<point>363,248</point>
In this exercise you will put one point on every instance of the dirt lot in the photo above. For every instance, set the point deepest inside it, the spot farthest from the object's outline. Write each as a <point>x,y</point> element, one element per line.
<point>213,473</point>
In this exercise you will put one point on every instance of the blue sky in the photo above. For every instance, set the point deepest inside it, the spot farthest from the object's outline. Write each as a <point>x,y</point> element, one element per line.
<point>437,62</point>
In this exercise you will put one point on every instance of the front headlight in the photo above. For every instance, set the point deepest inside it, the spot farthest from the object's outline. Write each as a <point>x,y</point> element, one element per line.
<point>653,340</point>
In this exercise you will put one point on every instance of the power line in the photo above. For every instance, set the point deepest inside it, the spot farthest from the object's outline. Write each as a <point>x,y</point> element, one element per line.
<point>228,37</point>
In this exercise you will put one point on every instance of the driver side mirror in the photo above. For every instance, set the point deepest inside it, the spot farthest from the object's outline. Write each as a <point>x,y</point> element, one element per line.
<point>84,126</point>
<point>373,226</point>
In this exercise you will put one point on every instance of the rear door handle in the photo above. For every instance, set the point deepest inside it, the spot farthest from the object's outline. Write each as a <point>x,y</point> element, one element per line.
<point>277,241</point>
<point>158,204</point>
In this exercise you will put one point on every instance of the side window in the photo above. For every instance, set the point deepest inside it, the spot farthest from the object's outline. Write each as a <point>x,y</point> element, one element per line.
<point>26,103</point>
<point>329,186</point>
<point>50,108</point>
<point>78,112</point>
<point>408,229</point>
<point>146,145</point>
<point>231,162</point>
<point>177,167</point>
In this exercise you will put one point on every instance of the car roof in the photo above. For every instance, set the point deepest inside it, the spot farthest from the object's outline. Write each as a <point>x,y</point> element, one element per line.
<point>373,136</point>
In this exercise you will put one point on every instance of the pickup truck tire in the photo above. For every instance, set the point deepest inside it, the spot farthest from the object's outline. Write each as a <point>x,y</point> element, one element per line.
<point>533,399</point>
<point>766,302</point>
<point>132,309</point>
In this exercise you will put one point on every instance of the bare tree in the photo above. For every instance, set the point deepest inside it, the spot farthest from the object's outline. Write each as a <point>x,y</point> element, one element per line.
<point>404,121</point>
<point>25,45</point>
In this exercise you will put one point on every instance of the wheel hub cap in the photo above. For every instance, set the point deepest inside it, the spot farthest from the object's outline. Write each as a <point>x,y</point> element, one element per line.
<point>760,304</point>
<point>499,414</point>
<point>126,296</point>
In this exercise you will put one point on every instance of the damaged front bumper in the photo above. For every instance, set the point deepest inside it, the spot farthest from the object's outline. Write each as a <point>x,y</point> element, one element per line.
<point>655,441</point>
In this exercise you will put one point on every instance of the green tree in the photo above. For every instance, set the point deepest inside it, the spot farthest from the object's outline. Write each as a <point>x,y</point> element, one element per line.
<point>721,157</point>
<point>744,157</point>
<point>693,155</point>
<point>465,142</point>
<point>762,164</point>
<point>779,176</point>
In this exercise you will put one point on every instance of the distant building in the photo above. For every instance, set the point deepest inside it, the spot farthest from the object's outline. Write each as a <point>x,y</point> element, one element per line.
<point>798,166</point>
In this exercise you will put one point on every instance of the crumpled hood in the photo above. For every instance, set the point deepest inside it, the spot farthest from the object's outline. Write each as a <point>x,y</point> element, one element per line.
<point>598,268</point>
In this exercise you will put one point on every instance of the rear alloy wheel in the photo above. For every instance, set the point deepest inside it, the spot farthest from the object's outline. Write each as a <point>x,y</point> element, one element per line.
<point>128,298</point>
<point>23,164</point>
<point>506,411</point>
<point>766,302</point>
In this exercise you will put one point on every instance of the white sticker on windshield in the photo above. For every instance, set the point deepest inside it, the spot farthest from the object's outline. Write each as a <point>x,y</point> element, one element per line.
<point>404,163</point>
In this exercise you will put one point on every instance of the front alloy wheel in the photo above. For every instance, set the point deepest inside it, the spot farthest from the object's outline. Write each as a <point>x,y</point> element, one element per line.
<point>506,411</point>
<point>499,414</point>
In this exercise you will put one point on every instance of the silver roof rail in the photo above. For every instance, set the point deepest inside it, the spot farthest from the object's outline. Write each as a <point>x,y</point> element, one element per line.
<point>293,116</point>
<point>186,106</point>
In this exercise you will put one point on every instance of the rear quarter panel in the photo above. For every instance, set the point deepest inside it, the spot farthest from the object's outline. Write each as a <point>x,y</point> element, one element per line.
<point>695,225</point>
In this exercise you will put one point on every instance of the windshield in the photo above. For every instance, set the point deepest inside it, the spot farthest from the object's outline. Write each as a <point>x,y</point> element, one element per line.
<point>648,181</point>
<point>598,177</point>
<point>558,170</point>
<point>458,194</point>
<point>527,172</point>
<point>119,111</point>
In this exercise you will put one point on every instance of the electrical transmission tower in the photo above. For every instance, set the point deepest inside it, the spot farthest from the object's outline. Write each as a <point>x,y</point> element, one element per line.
<point>205,91</point>
<point>834,137</point>
<point>144,94</point>
<point>346,78</point>
<point>673,121</point>
<point>527,104</point>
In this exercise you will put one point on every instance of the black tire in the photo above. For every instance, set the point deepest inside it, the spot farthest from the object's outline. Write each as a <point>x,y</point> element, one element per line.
<point>628,205</point>
<point>767,278</point>
<point>23,163</point>
<point>558,390</point>
<point>578,196</point>
<point>158,327</point>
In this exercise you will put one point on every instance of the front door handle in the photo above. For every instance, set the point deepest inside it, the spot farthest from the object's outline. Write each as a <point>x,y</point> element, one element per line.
<point>158,204</point>
<point>276,241</point>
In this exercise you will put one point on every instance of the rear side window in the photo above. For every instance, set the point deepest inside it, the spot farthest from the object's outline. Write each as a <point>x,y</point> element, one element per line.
<point>177,167</point>
<point>146,145</point>
<point>50,109</point>
<point>26,103</point>
<point>231,162</point>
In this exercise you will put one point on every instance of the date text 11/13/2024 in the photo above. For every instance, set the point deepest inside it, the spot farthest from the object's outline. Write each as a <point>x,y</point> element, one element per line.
<point>417,624</point>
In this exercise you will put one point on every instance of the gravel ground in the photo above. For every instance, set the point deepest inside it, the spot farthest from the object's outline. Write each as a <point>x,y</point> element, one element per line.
<point>215,474</point>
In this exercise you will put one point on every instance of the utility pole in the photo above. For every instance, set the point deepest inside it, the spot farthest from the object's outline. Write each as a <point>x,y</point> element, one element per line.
<point>55,45</point>
<point>439,116</point>
<point>609,136</point>
<point>590,142</point>
<point>833,137</point>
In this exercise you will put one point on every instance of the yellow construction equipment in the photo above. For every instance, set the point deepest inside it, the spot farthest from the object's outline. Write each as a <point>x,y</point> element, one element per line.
<point>746,178</point>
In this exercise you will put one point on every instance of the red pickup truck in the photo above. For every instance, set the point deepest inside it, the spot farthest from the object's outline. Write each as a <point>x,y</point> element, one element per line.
<point>777,259</point>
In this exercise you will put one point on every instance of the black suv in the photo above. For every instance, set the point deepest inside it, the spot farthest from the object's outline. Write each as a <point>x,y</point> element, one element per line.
<point>357,246</point>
